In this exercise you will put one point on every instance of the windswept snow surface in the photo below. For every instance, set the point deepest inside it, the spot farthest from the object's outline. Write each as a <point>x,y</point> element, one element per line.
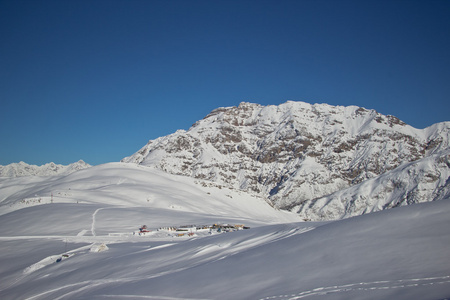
<point>427,179</point>
<point>121,184</point>
<point>81,246</point>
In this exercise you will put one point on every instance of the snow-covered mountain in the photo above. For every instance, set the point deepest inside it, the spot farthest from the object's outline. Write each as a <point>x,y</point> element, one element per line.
<point>296,153</point>
<point>23,169</point>
<point>71,237</point>
<point>423,180</point>
<point>126,185</point>
<point>75,235</point>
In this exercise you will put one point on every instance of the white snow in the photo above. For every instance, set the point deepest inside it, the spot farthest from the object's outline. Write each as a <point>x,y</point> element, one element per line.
<point>23,169</point>
<point>401,253</point>
<point>295,152</point>
<point>413,182</point>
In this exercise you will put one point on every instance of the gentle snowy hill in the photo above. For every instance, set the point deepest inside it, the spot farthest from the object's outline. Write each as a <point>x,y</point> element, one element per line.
<point>23,169</point>
<point>87,251</point>
<point>122,184</point>
<point>210,198</point>
<point>76,237</point>
<point>296,152</point>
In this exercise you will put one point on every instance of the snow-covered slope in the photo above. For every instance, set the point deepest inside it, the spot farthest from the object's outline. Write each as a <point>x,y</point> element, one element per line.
<point>122,184</point>
<point>76,236</point>
<point>294,152</point>
<point>23,169</point>
<point>423,180</point>
<point>84,251</point>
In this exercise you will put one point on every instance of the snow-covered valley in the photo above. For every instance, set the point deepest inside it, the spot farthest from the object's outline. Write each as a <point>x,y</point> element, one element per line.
<point>79,243</point>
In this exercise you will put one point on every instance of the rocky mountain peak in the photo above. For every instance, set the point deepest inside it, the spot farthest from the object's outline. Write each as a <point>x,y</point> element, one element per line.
<point>293,152</point>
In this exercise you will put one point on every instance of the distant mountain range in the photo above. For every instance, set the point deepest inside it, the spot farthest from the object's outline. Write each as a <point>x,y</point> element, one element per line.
<point>23,169</point>
<point>321,161</point>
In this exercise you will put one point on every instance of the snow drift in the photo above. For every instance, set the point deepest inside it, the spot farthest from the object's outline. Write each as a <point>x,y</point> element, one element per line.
<point>396,254</point>
<point>82,246</point>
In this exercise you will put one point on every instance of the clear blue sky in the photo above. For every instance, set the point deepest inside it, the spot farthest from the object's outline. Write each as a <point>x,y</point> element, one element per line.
<point>95,80</point>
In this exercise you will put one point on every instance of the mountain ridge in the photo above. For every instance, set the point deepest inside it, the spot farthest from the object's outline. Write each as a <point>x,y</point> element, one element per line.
<point>318,160</point>
<point>21,169</point>
<point>293,152</point>
<point>423,180</point>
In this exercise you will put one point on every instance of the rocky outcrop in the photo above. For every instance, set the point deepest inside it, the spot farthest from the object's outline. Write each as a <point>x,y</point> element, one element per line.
<point>294,152</point>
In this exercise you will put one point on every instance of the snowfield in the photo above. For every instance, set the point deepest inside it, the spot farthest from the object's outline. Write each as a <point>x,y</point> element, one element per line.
<point>79,243</point>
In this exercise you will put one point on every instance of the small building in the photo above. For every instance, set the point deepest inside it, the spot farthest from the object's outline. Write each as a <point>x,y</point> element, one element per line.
<point>144,228</point>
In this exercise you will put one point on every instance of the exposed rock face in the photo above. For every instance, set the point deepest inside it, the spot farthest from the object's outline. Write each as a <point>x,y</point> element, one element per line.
<point>423,180</point>
<point>294,152</point>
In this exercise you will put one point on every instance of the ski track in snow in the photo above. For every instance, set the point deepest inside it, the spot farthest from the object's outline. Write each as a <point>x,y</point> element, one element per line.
<point>365,286</point>
<point>93,221</point>
<point>86,285</point>
<point>82,232</point>
<point>49,260</point>
<point>148,297</point>
<point>209,254</point>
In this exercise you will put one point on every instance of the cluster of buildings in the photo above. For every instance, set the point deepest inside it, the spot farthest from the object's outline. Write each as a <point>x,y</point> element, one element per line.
<point>190,230</point>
